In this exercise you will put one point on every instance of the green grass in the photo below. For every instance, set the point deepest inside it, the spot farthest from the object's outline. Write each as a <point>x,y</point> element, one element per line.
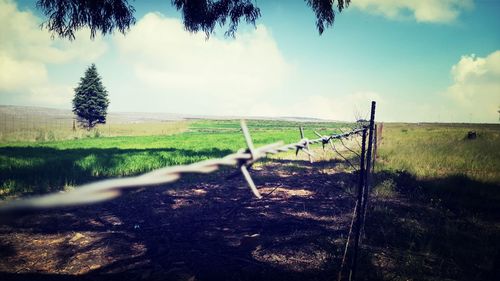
<point>424,151</point>
<point>440,162</point>
<point>40,167</point>
<point>436,206</point>
<point>274,125</point>
<point>436,151</point>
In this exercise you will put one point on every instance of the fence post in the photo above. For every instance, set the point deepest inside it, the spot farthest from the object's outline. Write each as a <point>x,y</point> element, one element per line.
<point>368,174</point>
<point>361,185</point>
<point>375,147</point>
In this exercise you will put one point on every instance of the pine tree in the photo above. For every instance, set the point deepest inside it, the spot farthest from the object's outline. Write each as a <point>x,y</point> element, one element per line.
<point>90,103</point>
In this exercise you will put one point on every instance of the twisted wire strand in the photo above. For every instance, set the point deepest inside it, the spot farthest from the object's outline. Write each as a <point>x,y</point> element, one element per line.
<point>346,246</point>
<point>343,157</point>
<point>356,140</point>
<point>111,188</point>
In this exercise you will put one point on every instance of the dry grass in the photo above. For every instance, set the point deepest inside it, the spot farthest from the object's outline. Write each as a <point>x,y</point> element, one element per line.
<point>53,131</point>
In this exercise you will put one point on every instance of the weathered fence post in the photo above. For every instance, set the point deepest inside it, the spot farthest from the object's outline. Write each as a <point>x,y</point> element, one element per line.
<point>368,174</point>
<point>361,185</point>
<point>375,147</point>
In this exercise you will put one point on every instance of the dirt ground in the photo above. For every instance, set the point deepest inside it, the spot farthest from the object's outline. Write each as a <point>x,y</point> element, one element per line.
<point>202,228</point>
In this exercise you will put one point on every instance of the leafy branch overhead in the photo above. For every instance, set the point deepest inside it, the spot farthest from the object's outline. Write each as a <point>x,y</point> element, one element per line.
<point>65,17</point>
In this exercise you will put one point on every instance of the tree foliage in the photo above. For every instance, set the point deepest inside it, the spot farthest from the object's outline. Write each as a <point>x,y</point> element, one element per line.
<point>65,17</point>
<point>90,103</point>
<point>325,13</point>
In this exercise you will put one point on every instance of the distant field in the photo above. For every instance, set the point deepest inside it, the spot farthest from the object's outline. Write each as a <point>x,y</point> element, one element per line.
<point>425,150</point>
<point>37,124</point>
<point>39,167</point>
<point>438,150</point>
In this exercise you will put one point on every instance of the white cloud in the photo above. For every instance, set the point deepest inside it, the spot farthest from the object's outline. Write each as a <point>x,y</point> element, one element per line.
<point>177,71</point>
<point>52,95</point>
<point>476,87</point>
<point>227,74</point>
<point>21,37</point>
<point>26,51</point>
<point>431,11</point>
<point>20,75</point>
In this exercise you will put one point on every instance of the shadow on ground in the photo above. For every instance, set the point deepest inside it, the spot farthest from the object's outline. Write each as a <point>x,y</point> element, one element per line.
<point>39,170</point>
<point>432,229</point>
<point>204,228</point>
<point>211,230</point>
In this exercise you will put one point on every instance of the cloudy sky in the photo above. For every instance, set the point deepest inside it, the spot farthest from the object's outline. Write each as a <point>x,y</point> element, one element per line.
<point>421,60</point>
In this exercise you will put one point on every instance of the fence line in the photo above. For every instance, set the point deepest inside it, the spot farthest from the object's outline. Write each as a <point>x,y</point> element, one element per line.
<point>244,158</point>
<point>111,188</point>
<point>368,174</point>
<point>364,187</point>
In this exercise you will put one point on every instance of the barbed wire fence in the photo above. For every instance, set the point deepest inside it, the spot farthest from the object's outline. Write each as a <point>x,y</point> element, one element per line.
<point>243,159</point>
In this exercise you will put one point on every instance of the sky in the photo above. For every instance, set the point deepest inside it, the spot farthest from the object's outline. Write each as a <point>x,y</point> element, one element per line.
<point>421,60</point>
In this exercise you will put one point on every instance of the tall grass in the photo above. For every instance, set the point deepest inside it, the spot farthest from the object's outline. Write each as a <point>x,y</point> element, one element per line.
<point>436,203</point>
<point>433,151</point>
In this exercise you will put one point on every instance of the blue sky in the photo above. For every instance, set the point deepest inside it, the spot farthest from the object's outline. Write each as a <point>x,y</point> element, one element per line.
<point>420,60</point>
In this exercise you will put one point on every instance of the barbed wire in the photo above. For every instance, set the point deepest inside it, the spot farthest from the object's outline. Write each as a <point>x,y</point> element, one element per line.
<point>348,240</point>
<point>112,188</point>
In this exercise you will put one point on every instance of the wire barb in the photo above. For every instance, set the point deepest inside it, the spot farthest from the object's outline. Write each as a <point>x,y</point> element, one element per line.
<point>324,139</point>
<point>244,165</point>
<point>304,145</point>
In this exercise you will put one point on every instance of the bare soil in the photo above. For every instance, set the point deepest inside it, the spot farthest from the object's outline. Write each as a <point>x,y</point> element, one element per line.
<point>202,228</point>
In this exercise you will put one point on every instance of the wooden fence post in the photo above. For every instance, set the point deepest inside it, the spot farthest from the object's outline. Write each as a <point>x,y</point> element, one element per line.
<point>368,174</point>
<point>361,185</point>
<point>375,146</point>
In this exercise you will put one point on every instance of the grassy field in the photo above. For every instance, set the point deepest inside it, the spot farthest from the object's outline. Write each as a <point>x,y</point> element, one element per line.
<point>43,166</point>
<point>20,131</point>
<point>426,151</point>
<point>436,208</point>
<point>435,211</point>
<point>463,172</point>
<point>437,150</point>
